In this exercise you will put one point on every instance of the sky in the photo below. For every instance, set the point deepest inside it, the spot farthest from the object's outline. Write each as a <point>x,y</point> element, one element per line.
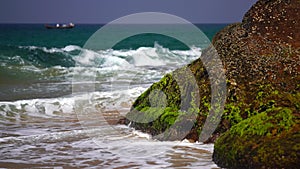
<point>104,11</point>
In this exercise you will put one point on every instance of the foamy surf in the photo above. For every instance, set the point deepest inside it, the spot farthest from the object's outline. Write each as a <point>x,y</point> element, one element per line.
<point>44,72</point>
<point>58,100</point>
<point>88,57</point>
<point>124,148</point>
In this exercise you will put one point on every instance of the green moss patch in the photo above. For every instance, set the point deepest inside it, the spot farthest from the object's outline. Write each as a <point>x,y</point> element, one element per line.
<point>154,120</point>
<point>269,139</point>
<point>263,124</point>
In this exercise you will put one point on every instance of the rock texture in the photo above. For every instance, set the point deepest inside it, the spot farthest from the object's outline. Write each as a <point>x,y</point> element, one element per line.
<point>261,121</point>
<point>266,70</point>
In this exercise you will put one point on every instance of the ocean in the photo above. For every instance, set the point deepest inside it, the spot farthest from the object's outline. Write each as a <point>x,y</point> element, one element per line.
<point>43,122</point>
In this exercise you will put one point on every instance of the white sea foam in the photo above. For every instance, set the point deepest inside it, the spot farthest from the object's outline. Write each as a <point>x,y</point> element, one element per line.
<point>141,134</point>
<point>124,145</point>
<point>143,56</point>
<point>70,48</point>
<point>18,59</point>
<point>119,72</point>
<point>110,100</point>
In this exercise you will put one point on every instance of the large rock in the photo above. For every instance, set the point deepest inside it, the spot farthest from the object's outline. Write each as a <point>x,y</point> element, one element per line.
<point>269,48</point>
<point>260,124</point>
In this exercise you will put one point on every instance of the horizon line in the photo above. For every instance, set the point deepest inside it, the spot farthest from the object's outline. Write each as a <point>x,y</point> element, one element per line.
<point>40,23</point>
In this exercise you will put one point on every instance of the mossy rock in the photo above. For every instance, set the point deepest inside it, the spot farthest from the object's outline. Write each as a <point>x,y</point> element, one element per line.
<point>260,124</point>
<point>267,140</point>
<point>162,106</point>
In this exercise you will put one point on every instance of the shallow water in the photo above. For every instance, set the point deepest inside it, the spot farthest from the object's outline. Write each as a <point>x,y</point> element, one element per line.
<point>62,142</point>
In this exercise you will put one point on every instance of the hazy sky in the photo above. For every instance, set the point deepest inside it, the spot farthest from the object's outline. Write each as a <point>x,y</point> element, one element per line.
<point>103,11</point>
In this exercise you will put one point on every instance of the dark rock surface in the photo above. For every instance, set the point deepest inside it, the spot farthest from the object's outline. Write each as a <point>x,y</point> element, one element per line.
<point>263,52</point>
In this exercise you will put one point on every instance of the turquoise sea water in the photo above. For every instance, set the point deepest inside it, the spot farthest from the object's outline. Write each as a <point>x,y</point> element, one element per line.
<point>38,110</point>
<point>32,57</point>
<point>37,35</point>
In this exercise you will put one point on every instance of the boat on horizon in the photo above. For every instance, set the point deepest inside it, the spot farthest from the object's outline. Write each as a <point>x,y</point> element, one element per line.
<point>60,26</point>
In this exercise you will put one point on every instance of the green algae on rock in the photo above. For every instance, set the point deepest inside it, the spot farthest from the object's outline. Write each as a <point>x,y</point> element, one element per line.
<point>163,100</point>
<point>269,139</point>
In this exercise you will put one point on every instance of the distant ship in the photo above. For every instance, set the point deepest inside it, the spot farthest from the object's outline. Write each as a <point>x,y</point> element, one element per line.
<point>60,26</point>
